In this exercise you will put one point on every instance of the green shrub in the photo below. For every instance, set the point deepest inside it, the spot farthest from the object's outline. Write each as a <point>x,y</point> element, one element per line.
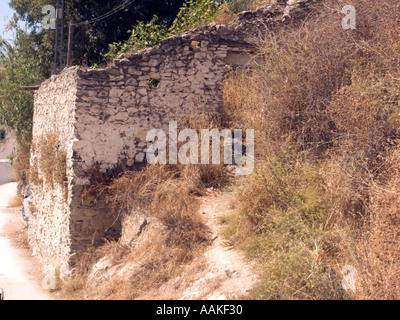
<point>144,35</point>
<point>283,222</point>
<point>194,13</point>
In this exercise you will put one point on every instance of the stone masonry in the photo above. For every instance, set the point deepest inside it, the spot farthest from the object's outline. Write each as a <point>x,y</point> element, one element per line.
<point>101,118</point>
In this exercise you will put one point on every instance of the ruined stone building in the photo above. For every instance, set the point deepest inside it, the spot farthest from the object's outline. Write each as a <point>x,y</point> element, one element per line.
<point>99,118</point>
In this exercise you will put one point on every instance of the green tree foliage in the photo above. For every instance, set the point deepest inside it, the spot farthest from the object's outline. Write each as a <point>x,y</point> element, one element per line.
<point>91,40</point>
<point>29,58</point>
<point>20,65</point>
<point>143,35</point>
<point>192,14</point>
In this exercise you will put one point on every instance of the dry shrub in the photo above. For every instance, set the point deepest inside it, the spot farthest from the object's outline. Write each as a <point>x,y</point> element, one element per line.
<point>149,187</point>
<point>168,193</point>
<point>379,275</point>
<point>324,103</point>
<point>99,183</point>
<point>287,95</point>
<point>16,201</point>
<point>366,114</point>
<point>243,107</point>
<point>239,108</point>
<point>225,15</point>
<point>169,196</point>
<point>20,162</point>
<point>76,285</point>
<point>158,264</point>
<point>49,165</point>
<point>366,117</point>
<point>287,222</point>
<point>236,6</point>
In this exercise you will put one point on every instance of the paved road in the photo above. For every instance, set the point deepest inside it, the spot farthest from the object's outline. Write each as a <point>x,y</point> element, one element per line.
<point>20,276</point>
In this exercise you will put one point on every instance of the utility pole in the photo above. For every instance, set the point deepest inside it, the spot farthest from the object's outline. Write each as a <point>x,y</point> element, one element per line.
<point>70,43</point>
<point>58,56</point>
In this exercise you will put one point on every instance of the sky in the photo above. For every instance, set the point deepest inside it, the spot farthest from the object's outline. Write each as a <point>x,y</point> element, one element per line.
<point>5,14</point>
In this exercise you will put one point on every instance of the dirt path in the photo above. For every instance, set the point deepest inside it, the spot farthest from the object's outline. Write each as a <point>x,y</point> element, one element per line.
<point>218,272</point>
<point>20,276</point>
<point>228,274</point>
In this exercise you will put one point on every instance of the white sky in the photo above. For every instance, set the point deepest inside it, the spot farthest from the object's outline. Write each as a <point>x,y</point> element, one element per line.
<point>6,14</point>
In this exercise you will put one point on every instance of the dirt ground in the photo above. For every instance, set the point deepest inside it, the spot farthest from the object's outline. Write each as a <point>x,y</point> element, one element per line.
<point>20,274</point>
<point>222,272</point>
<point>228,274</point>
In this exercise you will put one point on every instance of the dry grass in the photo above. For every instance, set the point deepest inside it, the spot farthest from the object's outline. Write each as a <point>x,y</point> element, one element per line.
<point>169,196</point>
<point>20,163</point>
<point>169,193</point>
<point>16,201</point>
<point>225,15</point>
<point>49,164</point>
<point>76,286</point>
<point>236,6</point>
<point>379,254</point>
<point>324,104</point>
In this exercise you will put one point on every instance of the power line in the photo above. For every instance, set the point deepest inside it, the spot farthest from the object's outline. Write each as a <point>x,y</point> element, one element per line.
<point>58,55</point>
<point>106,15</point>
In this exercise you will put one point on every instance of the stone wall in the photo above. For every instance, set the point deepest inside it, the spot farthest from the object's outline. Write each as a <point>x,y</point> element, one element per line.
<point>49,222</point>
<point>100,119</point>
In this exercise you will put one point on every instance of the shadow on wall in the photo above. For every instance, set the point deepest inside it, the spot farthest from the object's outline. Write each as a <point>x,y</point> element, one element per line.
<point>6,148</point>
